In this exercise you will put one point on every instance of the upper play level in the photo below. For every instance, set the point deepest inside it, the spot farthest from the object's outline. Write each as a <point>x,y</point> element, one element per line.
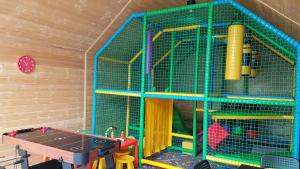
<point>172,49</point>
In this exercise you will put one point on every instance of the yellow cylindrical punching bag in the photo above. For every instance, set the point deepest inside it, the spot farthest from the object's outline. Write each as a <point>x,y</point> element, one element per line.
<point>234,52</point>
<point>253,65</point>
<point>246,61</point>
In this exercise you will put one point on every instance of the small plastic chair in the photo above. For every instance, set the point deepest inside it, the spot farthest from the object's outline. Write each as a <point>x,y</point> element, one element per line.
<point>202,165</point>
<point>121,153</point>
<point>125,159</point>
<point>99,164</point>
<point>270,161</point>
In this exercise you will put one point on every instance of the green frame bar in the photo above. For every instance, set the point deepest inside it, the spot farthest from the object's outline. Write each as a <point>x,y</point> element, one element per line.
<point>250,101</point>
<point>172,61</point>
<point>181,149</point>
<point>237,159</point>
<point>195,146</point>
<point>178,9</point>
<point>206,80</point>
<point>142,102</point>
<point>133,128</point>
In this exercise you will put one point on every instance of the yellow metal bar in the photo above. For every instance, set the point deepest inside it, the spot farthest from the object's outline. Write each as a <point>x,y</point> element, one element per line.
<point>175,94</point>
<point>159,164</point>
<point>128,100</point>
<point>219,117</point>
<point>183,28</point>
<point>182,135</point>
<point>157,35</point>
<point>118,93</point>
<point>228,162</point>
<point>202,110</point>
<point>113,60</point>
<point>274,50</point>
<point>136,56</point>
<point>259,98</point>
<point>166,55</point>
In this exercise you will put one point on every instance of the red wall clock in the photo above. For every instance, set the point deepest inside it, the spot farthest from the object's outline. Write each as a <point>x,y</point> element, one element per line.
<point>26,64</point>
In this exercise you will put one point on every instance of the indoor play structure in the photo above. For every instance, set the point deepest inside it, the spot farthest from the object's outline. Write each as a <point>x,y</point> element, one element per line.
<point>240,73</point>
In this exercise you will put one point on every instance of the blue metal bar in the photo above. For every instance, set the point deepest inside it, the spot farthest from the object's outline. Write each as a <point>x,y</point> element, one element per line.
<point>218,24</point>
<point>296,136</point>
<point>96,56</point>
<point>94,96</point>
<point>221,2</point>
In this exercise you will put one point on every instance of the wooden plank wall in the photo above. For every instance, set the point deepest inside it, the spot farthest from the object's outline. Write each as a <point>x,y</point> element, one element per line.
<point>56,33</point>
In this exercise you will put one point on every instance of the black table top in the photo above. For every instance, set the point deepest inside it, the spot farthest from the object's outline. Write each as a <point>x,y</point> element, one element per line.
<point>73,142</point>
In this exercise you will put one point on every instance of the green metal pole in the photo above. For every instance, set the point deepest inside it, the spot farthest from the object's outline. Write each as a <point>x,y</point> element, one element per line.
<point>195,148</point>
<point>197,62</point>
<point>251,101</point>
<point>142,102</point>
<point>206,80</point>
<point>172,61</point>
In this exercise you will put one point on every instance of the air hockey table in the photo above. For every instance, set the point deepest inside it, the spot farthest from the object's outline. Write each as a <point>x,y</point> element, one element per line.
<point>66,148</point>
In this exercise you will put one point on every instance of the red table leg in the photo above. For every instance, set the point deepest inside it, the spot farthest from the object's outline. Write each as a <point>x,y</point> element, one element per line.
<point>136,155</point>
<point>90,165</point>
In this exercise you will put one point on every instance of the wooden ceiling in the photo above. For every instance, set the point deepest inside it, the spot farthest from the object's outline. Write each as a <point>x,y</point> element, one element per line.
<point>75,24</point>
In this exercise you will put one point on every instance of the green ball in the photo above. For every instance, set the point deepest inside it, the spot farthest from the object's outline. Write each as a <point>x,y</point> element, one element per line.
<point>238,130</point>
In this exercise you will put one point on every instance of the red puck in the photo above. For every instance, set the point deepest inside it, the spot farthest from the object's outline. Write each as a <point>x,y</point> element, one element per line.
<point>44,129</point>
<point>13,133</point>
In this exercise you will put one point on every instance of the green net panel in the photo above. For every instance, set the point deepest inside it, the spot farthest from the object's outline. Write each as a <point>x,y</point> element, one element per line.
<point>275,67</point>
<point>121,112</point>
<point>119,66</point>
<point>249,131</point>
<point>176,54</point>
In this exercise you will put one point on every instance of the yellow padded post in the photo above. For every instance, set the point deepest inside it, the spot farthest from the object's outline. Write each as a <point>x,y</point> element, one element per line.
<point>234,52</point>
